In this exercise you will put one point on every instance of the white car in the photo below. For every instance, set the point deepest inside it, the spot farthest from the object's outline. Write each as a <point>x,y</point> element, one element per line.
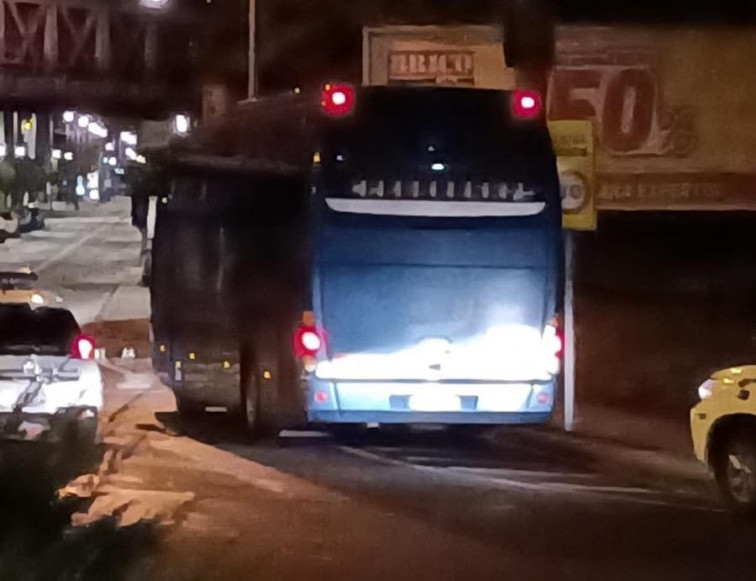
<point>723,427</point>
<point>51,388</point>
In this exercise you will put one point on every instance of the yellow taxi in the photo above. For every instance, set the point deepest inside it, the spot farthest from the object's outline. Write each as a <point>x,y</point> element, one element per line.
<point>723,427</point>
<point>16,288</point>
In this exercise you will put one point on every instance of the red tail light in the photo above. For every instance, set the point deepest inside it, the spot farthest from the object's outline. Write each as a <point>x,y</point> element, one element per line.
<point>337,99</point>
<point>554,333</point>
<point>526,104</point>
<point>308,341</point>
<point>83,347</point>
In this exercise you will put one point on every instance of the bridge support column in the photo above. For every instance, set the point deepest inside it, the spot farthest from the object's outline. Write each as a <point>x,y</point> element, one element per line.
<point>150,46</point>
<point>50,48</point>
<point>102,40</point>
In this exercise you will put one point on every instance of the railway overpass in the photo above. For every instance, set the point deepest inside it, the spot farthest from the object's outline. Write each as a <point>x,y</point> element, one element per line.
<point>135,58</point>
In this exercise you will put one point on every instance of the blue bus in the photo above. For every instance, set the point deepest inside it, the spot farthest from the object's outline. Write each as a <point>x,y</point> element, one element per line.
<point>395,258</point>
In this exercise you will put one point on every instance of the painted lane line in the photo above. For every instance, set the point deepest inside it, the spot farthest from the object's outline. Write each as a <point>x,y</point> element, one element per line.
<point>364,454</point>
<point>506,483</point>
<point>525,473</point>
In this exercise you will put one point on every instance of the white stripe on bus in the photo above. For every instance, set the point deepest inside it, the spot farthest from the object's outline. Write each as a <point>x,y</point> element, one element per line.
<point>431,208</point>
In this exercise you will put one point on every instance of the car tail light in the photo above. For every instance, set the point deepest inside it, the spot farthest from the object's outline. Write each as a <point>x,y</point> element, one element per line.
<point>83,347</point>
<point>337,99</point>
<point>526,104</point>
<point>308,341</point>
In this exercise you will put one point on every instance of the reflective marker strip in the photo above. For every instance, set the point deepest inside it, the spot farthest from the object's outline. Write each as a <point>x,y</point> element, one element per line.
<point>435,209</point>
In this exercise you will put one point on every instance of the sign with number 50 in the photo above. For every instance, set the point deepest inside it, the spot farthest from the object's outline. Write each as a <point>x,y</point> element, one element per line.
<point>573,146</point>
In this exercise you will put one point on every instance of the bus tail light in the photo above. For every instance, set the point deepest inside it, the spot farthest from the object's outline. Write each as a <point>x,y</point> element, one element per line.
<point>553,336</point>
<point>337,99</point>
<point>526,104</point>
<point>553,345</point>
<point>83,347</point>
<point>308,341</point>
<point>543,397</point>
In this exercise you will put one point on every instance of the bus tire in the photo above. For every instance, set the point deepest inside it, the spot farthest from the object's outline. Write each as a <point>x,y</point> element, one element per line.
<point>260,402</point>
<point>269,388</point>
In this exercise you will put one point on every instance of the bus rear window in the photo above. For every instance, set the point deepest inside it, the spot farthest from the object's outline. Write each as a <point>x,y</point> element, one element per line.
<point>437,143</point>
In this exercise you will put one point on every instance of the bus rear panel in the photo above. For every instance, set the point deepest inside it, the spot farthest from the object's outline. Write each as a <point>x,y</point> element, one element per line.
<point>437,262</point>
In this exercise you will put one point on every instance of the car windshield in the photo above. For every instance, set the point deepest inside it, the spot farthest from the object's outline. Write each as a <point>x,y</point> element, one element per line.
<point>43,331</point>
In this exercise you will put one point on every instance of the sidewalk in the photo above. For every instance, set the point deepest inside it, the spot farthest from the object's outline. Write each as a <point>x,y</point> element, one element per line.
<point>117,206</point>
<point>670,435</point>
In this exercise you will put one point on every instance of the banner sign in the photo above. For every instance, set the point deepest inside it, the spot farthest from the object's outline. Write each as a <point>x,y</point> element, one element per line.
<point>432,66</point>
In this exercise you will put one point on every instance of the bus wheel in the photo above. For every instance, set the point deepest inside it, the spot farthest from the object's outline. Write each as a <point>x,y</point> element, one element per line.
<point>249,399</point>
<point>261,400</point>
<point>734,466</point>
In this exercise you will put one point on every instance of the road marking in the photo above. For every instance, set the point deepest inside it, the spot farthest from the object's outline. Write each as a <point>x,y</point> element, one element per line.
<point>364,454</point>
<point>426,459</point>
<point>603,492</point>
<point>294,434</point>
<point>526,473</point>
<point>70,248</point>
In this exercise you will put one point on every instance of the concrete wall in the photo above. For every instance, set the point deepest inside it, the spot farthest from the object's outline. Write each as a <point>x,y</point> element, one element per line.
<point>662,300</point>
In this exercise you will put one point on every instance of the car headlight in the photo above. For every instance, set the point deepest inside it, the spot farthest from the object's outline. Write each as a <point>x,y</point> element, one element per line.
<point>705,389</point>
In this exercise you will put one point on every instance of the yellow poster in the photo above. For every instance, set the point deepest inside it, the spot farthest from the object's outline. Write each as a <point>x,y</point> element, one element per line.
<point>573,146</point>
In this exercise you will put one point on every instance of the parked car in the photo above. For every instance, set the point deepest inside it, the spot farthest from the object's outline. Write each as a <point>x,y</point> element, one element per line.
<point>723,426</point>
<point>51,387</point>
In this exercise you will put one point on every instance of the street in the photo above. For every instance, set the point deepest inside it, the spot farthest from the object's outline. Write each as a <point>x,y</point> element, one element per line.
<point>176,501</point>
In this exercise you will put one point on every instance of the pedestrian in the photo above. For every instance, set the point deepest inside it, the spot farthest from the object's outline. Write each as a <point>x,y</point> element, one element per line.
<point>139,209</point>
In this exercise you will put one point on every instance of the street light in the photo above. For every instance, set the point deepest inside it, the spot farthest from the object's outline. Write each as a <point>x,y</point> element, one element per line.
<point>181,124</point>
<point>98,130</point>
<point>69,116</point>
<point>129,137</point>
<point>83,121</point>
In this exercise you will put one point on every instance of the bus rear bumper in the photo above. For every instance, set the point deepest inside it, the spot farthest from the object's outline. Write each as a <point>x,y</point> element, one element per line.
<point>445,402</point>
<point>483,418</point>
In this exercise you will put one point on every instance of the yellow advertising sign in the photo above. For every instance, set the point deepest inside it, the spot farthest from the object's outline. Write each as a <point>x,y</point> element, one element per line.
<point>573,146</point>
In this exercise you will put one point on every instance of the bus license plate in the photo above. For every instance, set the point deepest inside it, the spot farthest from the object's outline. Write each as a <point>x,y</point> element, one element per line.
<point>434,402</point>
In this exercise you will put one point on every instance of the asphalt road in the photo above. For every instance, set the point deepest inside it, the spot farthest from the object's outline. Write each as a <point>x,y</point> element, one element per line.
<point>174,501</point>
